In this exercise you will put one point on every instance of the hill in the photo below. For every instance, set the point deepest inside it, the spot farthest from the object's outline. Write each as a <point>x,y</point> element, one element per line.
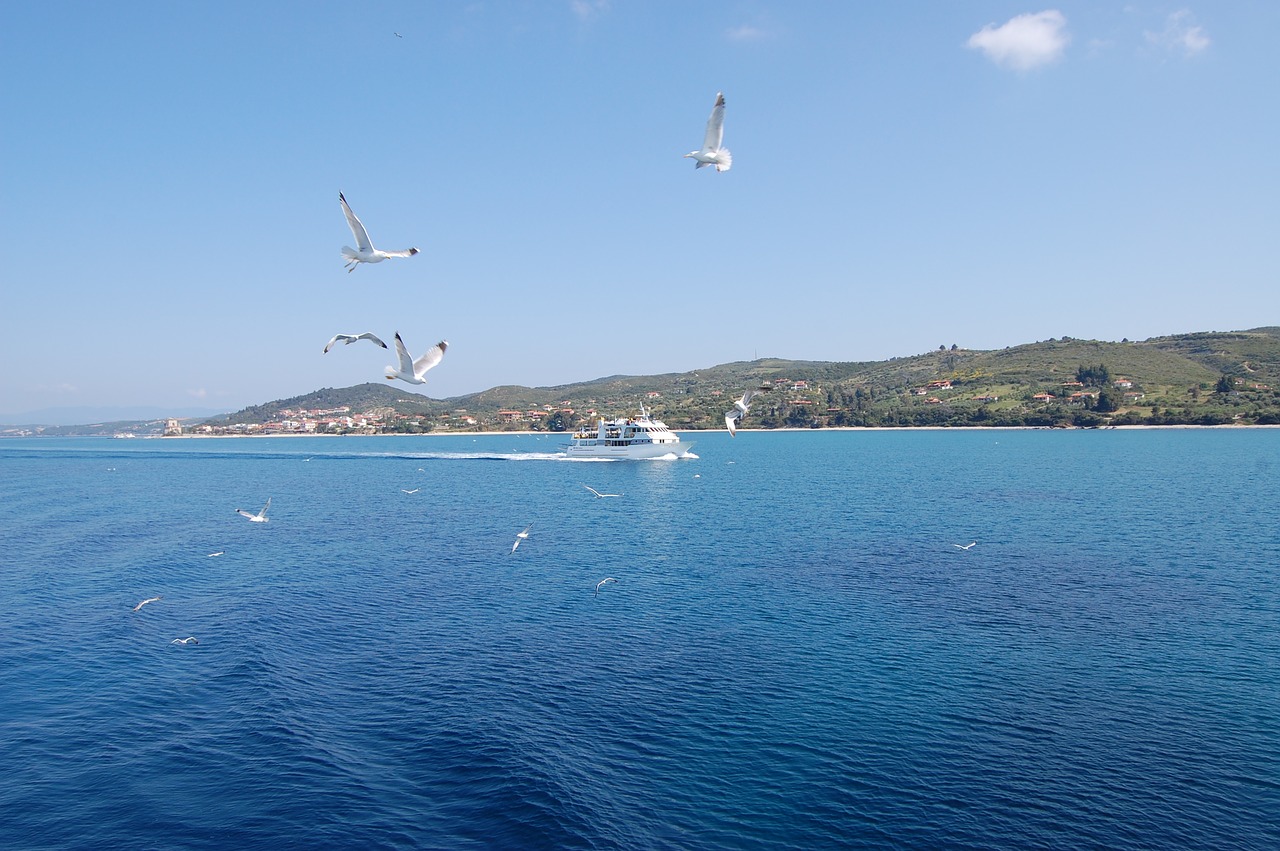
<point>1205,377</point>
<point>1197,378</point>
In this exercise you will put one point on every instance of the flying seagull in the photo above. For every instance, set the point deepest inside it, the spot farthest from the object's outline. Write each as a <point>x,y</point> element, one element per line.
<point>218,553</point>
<point>964,546</point>
<point>411,370</point>
<point>731,418</point>
<point>144,602</point>
<point>520,536</point>
<point>260,517</point>
<point>349,339</point>
<point>603,581</point>
<point>190,639</point>
<point>415,490</point>
<point>397,35</point>
<point>364,252</point>
<point>598,494</point>
<point>712,153</point>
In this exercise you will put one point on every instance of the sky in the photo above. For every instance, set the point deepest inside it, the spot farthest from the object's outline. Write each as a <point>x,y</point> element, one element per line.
<point>905,175</point>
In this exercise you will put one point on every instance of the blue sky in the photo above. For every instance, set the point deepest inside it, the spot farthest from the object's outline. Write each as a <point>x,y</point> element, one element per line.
<point>905,175</point>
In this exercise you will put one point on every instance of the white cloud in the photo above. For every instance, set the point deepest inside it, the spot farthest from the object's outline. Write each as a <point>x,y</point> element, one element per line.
<point>746,32</point>
<point>199,394</point>
<point>588,9</point>
<point>1180,35</point>
<point>1024,42</point>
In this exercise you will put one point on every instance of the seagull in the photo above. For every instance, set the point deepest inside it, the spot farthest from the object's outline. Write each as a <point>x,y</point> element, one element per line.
<point>712,153</point>
<point>964,546</point>
<point>218,553</point>
<point>190,639</point>
<point>603,581</point>
<point>349,339</point>
<point>521,536</point>
<point>364,252</point>
<point>411,370</point>
<point>397,35</point>
<point>598,494</point>
<point>144,602</point>
<point>731,418</point>
<point>260,517</point>
<point>415,490</point>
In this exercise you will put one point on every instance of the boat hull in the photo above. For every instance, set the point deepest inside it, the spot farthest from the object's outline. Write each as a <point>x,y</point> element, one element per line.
<point>634,452</point>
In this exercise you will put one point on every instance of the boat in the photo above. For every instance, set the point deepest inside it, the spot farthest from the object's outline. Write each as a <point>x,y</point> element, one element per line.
<point>628,439</point>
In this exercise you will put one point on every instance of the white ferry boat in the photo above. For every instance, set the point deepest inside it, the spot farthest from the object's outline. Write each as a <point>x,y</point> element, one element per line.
<point>627,438</point>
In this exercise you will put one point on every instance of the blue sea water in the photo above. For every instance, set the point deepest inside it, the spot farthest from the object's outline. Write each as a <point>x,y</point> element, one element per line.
<point>795,654</point>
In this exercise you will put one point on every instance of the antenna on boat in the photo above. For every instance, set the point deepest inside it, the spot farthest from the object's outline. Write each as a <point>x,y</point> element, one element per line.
<point>643,412</point>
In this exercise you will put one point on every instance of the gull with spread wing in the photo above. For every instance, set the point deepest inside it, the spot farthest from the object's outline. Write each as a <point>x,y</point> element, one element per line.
<point>411,370</point>
<point>260,517</point>
<point>600,495</point>
<point>364,252</point>
<point>712,153</point>
<point>351,338</point>
<point>520,536</point>
<point>731,418</point>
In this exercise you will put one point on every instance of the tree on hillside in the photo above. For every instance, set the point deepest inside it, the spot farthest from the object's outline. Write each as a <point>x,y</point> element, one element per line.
<point>1093,376</point>
<point>1225,384</point>
<point>1109,400</point>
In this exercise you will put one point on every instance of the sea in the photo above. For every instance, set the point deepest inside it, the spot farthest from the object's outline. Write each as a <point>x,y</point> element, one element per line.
<point>796,653</point>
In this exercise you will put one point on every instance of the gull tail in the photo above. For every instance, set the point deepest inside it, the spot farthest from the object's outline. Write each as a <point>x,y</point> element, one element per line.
<point>349,253</point>
<point>725,160</point>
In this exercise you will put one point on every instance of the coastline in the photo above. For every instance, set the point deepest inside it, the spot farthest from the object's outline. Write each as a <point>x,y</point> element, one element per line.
<point>1222,427</point>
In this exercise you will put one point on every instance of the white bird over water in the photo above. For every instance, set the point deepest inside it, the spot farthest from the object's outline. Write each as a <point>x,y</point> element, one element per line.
<point>411,370</point>
<point>603,581</point>
<point>731,418</point>
<point>260,517</point>
<point>349,339</point>
<point>711,152</point>
<point>415,490</point>
<point>364,252</point>
<point>190,639</point>
<point>965,546</point>
<point>144,602</point>
<point>598,494</point>
<point>218,553</point>
<point>520,536</point>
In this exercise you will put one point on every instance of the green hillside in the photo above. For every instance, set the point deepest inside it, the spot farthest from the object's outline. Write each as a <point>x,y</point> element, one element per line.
<point>1202,378</point>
